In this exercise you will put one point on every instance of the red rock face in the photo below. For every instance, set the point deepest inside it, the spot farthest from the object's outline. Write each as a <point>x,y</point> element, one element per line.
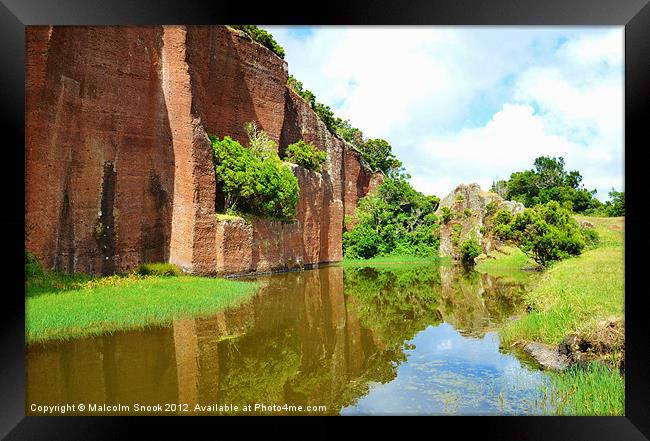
<point>119,166</point>
<point>99,159</point>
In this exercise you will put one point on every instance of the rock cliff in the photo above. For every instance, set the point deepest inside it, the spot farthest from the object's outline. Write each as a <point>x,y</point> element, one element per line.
<point>118,163</point>
<point>469,207</point>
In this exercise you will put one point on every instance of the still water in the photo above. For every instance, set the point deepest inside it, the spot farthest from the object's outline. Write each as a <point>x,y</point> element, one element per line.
<point>359,341</point>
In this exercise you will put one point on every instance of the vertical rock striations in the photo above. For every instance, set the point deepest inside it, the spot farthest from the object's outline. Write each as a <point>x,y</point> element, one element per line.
<point>118,163</point>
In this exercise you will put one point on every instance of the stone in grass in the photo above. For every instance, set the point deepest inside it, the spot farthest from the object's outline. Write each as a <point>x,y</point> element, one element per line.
<point>547,356</point>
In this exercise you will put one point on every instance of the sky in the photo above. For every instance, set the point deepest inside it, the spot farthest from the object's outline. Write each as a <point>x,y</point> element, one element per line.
<point>473,104</point>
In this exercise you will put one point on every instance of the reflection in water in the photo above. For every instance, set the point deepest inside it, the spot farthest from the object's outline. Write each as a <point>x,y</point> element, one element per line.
<point>359,341</point>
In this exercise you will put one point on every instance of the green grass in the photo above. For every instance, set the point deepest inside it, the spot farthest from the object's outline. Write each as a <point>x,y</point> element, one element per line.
<point>508,263</point>
<point>594,390</point>
<point>63,307</point>
<point>575,293</point>
<point>571,296</point>
<point>393,260</point>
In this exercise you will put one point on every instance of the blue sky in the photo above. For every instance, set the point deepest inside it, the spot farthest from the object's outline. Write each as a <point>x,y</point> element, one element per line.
<point>473,104</point>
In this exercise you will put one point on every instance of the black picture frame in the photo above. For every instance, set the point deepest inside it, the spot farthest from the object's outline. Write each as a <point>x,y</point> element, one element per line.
<point>633,14</point>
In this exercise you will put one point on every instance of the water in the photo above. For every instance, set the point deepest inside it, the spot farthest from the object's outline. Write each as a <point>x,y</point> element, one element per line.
<point>398,340</point>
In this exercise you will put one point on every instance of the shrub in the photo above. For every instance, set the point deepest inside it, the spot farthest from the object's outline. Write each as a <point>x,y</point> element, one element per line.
<point>590,236</point>
<point>503,217</point>
<point>263,187</point>
<point>547,233</point>
<point>262,37</point>
<point>491,208</point>
<point>305,155</point>
<point>459,197</point>
<point>456,230</point>
<point>362,242</point>
<point>446,214</point>
<point>158,269</point>
<point>470,250</point>
<point>467,212</point>
<point>33,267</point>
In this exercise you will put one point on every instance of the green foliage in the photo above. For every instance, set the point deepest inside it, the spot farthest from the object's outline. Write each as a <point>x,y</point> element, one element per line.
<point>546,233</point>
<point>591,237</point>
<point>351,134</point>
<point>491,208</point>
<point>548,181</point>
<point>456,230</point>
<point>305,155</point>
<point>469,250</point>
<point>33,267</point>
<point>613,208</point>
<point>446,214</point>
<point>249,184</point>
<point>262,37</point>
<point>259,142</point>
<point>379,156</point>
<point>396,219</point>
<point>467,212</point>
<point>158,269</point>
<point>459,197</point>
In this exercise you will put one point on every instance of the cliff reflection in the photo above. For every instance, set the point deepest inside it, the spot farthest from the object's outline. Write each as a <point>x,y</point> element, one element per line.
<point>319,337</point>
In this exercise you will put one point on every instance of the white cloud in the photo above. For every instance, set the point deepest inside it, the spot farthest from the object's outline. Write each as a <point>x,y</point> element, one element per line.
<point>473,104</point>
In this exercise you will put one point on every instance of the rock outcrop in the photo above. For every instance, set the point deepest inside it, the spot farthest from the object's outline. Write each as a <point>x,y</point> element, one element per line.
<point>602,342</point>
<point>118,163</point>
<point>470,207</point>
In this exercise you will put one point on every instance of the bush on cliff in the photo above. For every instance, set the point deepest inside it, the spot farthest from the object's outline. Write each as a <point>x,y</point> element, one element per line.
<point>470,250</point>
<point>262,37</point>
<point>305,155</point>
<point>396,219</point>
<point>249,184</point>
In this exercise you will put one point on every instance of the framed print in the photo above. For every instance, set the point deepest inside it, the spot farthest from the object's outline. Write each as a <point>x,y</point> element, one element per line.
<point>410,212</point>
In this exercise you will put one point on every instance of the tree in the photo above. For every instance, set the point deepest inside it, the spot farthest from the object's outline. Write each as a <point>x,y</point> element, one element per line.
<point>549,181</point>
<point>379,156</point>
<point>618,202</point>
<point>395,219</point>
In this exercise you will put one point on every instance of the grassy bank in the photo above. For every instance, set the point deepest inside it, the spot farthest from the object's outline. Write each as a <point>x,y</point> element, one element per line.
<point>571,296</point>
<point>72,306</point>
<point>575,293</point>
<point>393,260</point>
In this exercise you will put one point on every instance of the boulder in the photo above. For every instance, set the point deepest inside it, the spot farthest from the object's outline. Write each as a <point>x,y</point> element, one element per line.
<point>469,206</point>
<point>586,224</point>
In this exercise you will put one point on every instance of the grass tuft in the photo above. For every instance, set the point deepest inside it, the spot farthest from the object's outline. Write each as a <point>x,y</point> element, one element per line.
<point>596,389</point>
<point>159,269</point>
